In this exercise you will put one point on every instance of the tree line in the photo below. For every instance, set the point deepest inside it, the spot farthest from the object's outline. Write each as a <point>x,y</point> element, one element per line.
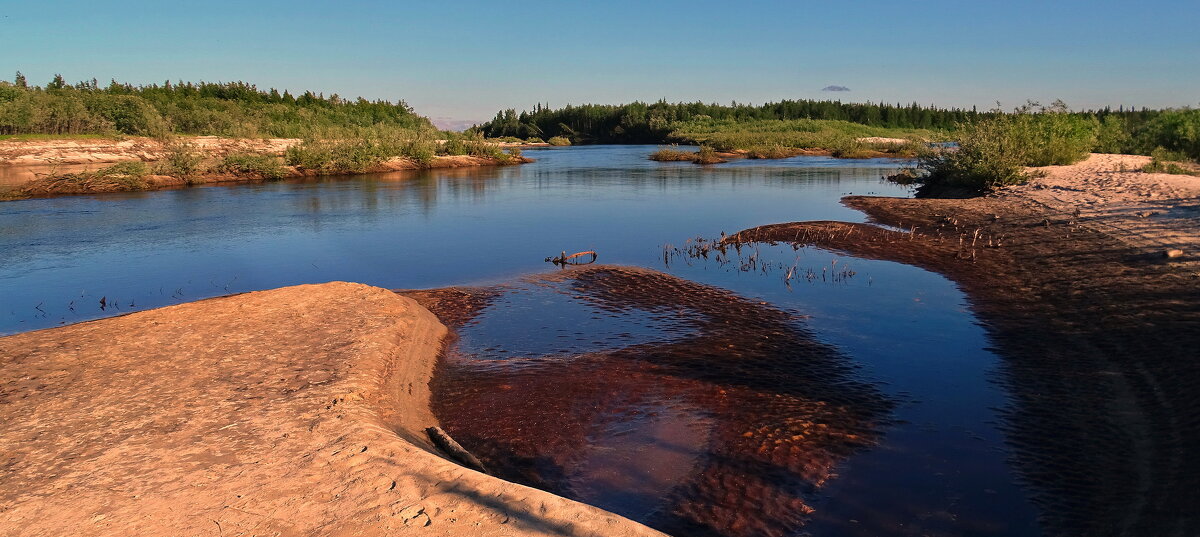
<point>639,122</point>
<point>236,109</point>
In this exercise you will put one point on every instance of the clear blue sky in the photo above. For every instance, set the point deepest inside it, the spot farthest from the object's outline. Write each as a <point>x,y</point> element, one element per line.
<point>466,59</point>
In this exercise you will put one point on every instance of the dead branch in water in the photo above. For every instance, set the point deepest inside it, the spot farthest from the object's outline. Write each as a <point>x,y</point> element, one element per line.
<point>455,450</point>
<point>574,259</point>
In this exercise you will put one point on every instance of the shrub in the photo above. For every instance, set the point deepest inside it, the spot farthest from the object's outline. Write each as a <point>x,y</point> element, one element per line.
<point>990,154</point>
<point>483,149</point>
<point>995,151</point>
<point>334,156</point>
<point>772,151</point>
<point>559,141</point>
<point>534,140</point>
<point>420,149</point>
<point>1158,166</point>
<point>454,146</point>
<point>135,169</point>
<point>331,151</point>
<point>911,148</point>
<point>707,155</point>
<point>1174,162</point>
<point>1112,136</point>
<point>258,164</point>
<point>671,154</point>
<point>1054,138</point>
<point>1175,130</point>
<point>120,177</point>
<point>179,159</point>
<point>848,147</point>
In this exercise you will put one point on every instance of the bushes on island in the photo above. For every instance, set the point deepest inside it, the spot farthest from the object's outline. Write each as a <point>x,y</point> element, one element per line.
<point>995,151</point>
<point>705,155</point>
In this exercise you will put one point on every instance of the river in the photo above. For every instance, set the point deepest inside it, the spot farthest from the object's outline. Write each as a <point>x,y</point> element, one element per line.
<point>936,461</point>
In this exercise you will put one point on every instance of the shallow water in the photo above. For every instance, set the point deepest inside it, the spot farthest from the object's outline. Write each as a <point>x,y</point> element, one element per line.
<point>937,463</point>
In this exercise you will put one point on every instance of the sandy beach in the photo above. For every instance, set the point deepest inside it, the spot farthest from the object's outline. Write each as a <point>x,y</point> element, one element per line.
<point>297,411</point>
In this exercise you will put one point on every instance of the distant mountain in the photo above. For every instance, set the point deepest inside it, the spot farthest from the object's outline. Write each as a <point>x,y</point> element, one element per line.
<point>452,124</point>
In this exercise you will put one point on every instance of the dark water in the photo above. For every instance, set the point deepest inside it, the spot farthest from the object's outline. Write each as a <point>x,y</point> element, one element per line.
<point>900,337</point>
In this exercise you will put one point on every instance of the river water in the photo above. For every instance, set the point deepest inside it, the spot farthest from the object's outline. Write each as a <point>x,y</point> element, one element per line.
<point>932,460</point>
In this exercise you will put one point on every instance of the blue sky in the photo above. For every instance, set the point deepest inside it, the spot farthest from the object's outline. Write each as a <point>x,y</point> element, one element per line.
<point>466,59</point>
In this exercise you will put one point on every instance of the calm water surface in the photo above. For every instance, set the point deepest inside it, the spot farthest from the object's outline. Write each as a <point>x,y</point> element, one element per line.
<point>940,466</point>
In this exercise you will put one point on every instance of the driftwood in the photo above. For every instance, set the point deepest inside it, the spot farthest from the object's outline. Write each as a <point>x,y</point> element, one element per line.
<point>454,449</point>
<point>574,259</point>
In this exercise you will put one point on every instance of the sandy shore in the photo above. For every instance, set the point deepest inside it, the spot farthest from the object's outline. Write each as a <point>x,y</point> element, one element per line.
<point>297,411</point>
<point>1151,211</point>
<point>110,150</point>
<point>24,164</point>
<point>1098,329</point>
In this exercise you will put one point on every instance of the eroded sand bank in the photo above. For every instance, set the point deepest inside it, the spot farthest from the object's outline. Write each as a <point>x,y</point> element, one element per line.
<point>28,167</point>
<point>297,411</point>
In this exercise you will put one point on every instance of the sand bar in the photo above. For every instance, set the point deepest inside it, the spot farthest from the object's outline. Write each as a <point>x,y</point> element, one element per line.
<point>296,411</point>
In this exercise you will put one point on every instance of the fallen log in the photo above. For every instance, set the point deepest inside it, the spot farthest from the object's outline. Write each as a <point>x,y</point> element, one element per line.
<point>455,450</point>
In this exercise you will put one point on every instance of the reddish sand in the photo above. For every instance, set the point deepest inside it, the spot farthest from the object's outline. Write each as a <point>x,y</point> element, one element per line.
<point>297,411</point>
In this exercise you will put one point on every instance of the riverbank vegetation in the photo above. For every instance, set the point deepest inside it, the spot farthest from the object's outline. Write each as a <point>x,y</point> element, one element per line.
<point>229,109</point>
<point>120,177</point>
<point>256,164</point>
<point>994,146</point>
<point>1173,162</point>
<point>773,138</point>
<point>996,150</point>
<point>642,123</point>
<point>337,135</point>
<point>705,155</point>
<point>340,135</point>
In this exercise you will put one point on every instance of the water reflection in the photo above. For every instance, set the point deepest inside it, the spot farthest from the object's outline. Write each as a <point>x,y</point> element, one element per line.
<point>669,405</point>
<point>409,229</point>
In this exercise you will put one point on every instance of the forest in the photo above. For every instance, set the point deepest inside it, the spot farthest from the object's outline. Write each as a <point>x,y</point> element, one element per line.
<point>232,109</point>
<point>663,122</point>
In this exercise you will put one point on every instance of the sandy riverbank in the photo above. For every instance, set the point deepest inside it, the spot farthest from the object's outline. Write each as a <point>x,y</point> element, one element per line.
<point>71,151</point>
<point>297,411</point>
<point>1098,329</point>
<point>28,166</point>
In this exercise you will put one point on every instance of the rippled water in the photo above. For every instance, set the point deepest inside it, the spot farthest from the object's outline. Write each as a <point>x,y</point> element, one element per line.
<point>935,464</point>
